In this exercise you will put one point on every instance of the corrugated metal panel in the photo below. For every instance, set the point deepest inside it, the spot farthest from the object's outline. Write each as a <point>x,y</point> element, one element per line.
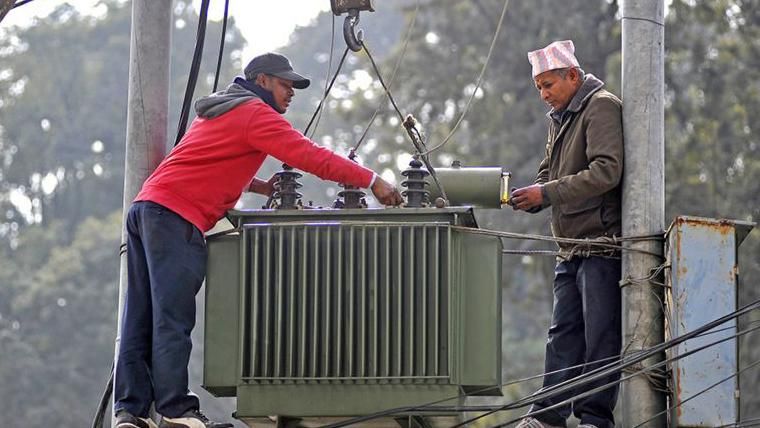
<point>346,303</point>
<point>703,257</point>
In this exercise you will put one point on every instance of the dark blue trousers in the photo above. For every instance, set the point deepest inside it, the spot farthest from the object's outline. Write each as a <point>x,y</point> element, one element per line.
<point>166,259</point>
<point>585,329</point>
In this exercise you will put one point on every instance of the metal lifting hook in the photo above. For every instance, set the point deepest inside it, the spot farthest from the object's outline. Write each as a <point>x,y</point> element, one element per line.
<point>353,40</point>
<point>352,8</point>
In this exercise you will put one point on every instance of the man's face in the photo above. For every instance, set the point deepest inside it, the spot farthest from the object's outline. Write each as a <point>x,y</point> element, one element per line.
<point>281,89</point>
<point>556,90</point>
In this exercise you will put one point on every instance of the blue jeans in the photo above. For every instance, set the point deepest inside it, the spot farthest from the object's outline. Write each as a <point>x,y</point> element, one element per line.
<point>585,328</point>
<point>166,261</point>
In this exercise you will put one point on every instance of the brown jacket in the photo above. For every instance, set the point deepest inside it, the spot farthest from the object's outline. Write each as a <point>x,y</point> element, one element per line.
<point>582,170</point>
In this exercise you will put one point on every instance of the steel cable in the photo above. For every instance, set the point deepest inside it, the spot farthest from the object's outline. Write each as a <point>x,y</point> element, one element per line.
<point>586,378</point>
<point>192,80</point>
<point>221,45</point>
<point>695,395</point>
<point>327,91</point>
<point>745,423</point>
<point>643,370</point>
<point>327,76</point>
<point>21,3</point>
<point>518,403</point>
<point>418,145</point>
<point>631,360</point>
<point>477,85</point>
<point>609,243</point>
<point>393,76</point>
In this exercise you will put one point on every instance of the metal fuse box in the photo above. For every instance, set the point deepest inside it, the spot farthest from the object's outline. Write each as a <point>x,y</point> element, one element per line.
<point>703,258</point>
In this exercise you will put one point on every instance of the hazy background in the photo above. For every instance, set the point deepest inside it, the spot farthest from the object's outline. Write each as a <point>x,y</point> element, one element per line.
<point>63,93</point>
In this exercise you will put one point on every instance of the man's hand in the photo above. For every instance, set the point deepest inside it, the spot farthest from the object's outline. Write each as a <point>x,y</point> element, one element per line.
<point>526,198</point>
<point>262,187</point>
<point>385,193</point>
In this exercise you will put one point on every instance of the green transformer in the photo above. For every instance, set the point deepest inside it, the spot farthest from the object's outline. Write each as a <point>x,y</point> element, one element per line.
<point>328,313</point>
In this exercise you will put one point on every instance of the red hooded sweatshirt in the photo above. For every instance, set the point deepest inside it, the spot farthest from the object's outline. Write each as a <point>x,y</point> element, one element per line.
<point>205,174</point>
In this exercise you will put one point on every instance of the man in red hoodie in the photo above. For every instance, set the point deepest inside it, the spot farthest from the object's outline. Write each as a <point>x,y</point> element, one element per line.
<point>192,188</point>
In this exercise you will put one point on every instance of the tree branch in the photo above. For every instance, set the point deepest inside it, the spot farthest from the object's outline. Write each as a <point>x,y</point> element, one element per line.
<point>5,7</point>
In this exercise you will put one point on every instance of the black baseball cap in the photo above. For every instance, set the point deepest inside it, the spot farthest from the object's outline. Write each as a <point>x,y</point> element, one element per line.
<point>275,65</point>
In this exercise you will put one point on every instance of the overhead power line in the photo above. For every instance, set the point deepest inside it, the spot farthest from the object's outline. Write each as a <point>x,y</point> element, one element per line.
<point>327,91</point>
<point>327,76</point>
<point>479,82</point>
<point>21,3</point>
<point>642,371</point>
<point>583,379</point>
<point>678,404</point>
<point>393,76</point>
<point>221,45</point>
<point>200,37</point>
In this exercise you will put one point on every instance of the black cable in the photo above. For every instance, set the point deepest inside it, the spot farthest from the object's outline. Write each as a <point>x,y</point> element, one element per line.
<point>327,77</point>
<point>645,353</point>
<point>382,82</point>
<point>522,403</point>
<point>695,395</point>
<point>21,3</point>
<point>192,80</point>
<point>745,423</point>
<point>393,77</point>
<point>97,421</point>
<point>221,45</point>
<point>643,370</point>
<point>493,409</point>
<point>194,69</point>
<point>584,379</point>
<point>479,82</point>
<point>319,107</point>
<point>417,146</point>
<point>630,361</point>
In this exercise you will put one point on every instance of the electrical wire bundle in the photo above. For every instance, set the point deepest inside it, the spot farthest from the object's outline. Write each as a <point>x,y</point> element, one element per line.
<point>618,365</point>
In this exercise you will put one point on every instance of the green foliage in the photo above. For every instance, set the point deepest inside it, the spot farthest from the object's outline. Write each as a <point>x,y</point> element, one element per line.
<point>712,151</point>
<point>59,260</point>
<point>63,86</point>
<point>712,162</point>
<point>63,125</point>
<point>57,320</point>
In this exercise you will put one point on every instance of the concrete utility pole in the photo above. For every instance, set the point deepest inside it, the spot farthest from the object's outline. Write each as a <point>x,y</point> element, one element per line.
<point>147,109</point>
<point>643,197</point>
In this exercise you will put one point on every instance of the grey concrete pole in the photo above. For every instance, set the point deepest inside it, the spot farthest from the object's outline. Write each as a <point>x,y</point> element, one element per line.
<point>147,109</point>
<point>643,196</point>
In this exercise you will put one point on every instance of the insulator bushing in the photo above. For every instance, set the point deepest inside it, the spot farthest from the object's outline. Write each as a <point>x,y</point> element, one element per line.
<point>350,196</point>
<point>285,188</point>
<point>353,197</point>
<point>416,194</point>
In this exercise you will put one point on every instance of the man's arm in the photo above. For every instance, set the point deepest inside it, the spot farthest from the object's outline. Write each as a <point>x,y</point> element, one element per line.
<point>604,150</point>
<point>270,133</point>
<point>262,187</point>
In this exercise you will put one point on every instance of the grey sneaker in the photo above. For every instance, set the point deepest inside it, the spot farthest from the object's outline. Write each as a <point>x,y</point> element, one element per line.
<point>192,419</point>
<point>125,419</point>
<point>587,426</point>
<point>531,422</point>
